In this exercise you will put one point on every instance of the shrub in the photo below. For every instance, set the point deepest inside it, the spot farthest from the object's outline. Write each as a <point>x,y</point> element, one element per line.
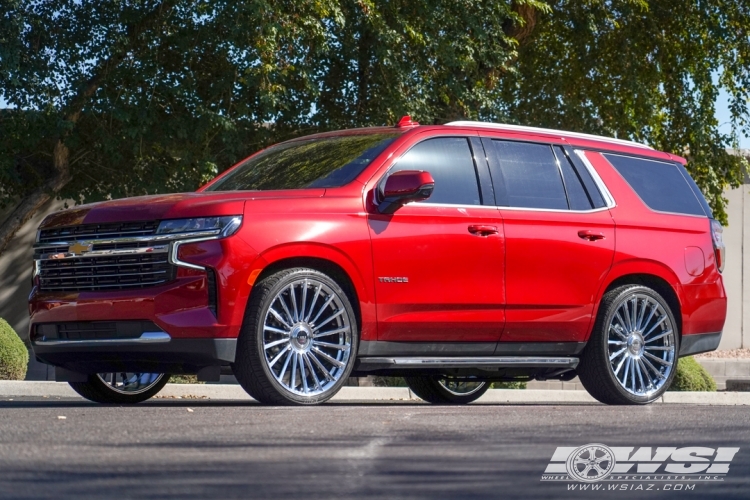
<point>184,379</point>
<point>14,358</point>
<point>508,385</point>
<point>691,376</point>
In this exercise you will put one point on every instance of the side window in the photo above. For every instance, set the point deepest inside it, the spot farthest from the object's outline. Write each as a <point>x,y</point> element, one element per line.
<point>578,198</point>
<point>659,184</point>
<point>530,175</point>
<point>450,162</point>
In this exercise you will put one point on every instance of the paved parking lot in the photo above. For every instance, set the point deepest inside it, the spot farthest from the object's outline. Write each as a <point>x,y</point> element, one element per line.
<point>201,448</point>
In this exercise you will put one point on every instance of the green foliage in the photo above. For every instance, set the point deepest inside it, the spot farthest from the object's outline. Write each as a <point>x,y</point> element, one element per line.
<point>161,95</point>
<point>508,385</point>
<point>184,379</point>
<point>14,357</point>
<point>691,376</point>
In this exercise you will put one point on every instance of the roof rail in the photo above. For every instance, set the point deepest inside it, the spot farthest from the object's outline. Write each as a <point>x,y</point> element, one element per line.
<point>521,128</point>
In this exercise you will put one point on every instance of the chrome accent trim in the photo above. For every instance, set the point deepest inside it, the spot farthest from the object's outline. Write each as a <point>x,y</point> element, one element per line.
<point>466,362</point>
<point>556,210</point>
<point>132,239</point>
<point>609,200</point>
<point>173,259</point>
<point>145,338</point>
<point>100,253</point>
<point>562,133</point>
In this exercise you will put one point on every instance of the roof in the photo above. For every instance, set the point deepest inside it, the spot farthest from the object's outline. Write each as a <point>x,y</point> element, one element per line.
<point>563,133</point>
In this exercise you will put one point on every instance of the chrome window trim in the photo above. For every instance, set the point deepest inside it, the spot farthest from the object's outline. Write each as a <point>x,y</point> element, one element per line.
<point>539,361</point>
<point>145,338</point>
<point>609,200</point>
<point>556,210</point>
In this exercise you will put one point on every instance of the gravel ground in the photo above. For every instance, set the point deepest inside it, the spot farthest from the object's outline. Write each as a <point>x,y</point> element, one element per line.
<point>729,354</point>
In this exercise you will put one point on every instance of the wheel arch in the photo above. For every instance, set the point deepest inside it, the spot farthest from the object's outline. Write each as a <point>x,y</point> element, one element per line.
<point>653,275</point>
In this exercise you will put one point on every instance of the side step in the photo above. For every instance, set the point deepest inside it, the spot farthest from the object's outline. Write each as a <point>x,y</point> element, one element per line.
<point>380,363</point>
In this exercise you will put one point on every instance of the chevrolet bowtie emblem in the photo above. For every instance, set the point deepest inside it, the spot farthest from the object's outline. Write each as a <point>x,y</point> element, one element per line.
<point>79,248</point>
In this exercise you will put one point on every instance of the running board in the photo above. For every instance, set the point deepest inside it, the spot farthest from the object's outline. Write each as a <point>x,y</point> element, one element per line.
<point>380,363</point>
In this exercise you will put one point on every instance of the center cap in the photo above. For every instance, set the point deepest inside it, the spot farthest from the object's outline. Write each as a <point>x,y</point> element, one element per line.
<point>301,337</point>
<point>635,343</point>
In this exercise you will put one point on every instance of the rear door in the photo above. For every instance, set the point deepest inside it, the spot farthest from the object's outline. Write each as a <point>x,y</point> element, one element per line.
<point>559,236</point>
<point>439,263</point>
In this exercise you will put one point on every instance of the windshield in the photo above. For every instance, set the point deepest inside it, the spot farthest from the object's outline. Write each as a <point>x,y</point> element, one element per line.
<point>313,163</point>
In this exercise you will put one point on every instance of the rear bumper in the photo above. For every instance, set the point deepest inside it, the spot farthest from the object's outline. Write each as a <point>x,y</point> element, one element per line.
<point>160,355</point>
<point>699,342</point>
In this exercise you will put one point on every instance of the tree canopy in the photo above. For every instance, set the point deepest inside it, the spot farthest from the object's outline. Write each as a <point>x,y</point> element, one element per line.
<point>129,97</point>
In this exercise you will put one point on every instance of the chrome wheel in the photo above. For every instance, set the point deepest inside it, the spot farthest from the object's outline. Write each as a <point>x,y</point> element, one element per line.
<point>130,383</point>
<point>641,345</point>
<point>460,386</point>
<point>307,337</point>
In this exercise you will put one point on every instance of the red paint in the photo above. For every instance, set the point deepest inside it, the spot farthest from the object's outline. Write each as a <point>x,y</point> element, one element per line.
<point>475,273</point>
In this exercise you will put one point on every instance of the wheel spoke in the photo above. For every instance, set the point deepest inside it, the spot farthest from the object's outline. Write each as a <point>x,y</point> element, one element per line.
<point>612,357</point>
<point>275,330</point>
<point>658,360</point>
<point>278,317</point>
<point>654,307</point>
<point>639,322</point>
<point>646,373</point>
<point>340,347</point>
<point>619,367</point>
<point>322,368</point>
<point>628,325</point>
<point>660,348</point>
<point>640,375</point>
<point>286,309</point>
<point>632,373</point>
<point>275,359</point>
<point>328,358</point>
<point>293,380</point>
<point>616,329</point>
<point>663,334</point>
<point>659,322</point>
<point>312,304</point>
<point>304,300</point>
<point>294,302</point>
<point>616,342</point>
<point>331,318</point>
<point>286,364</point>
<point>273,344</point>
<point>322,309</point>
<point>312,371</point>
<point>332,332</point>
<point>633,313</point>
<point>625,373</point>
<point>653,368</point>
<point>302,373</point>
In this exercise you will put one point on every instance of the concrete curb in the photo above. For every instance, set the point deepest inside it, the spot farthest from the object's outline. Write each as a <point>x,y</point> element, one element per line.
<point>13,388</point>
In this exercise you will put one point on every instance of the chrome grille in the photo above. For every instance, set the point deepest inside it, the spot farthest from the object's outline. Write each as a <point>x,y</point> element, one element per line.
<point>98,231</point>
<point>109,272</point>
<point>115,256</point>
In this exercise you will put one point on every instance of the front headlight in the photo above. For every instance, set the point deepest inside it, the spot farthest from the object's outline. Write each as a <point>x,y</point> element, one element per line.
<point>220,226</point>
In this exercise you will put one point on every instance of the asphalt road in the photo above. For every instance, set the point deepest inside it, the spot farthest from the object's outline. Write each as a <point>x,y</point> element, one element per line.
<point>210,449</point>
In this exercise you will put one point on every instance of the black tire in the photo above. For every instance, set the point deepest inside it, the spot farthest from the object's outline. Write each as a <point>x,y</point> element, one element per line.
<point>251,366</point>
<point>595,370</point>
<point>96,390</point>
<point>429,389</point>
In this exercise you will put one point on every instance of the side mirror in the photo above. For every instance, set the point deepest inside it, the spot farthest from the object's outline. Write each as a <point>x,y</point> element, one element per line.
<point>403,187</point>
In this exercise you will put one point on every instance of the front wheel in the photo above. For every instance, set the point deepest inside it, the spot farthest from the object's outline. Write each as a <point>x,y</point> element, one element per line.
<point>631,356</point>
<point>299,339</point>
<point>121,387</point>
<point>442,389</point>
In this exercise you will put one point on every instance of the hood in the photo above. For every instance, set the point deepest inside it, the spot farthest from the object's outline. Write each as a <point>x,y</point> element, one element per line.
<point>168,206</point>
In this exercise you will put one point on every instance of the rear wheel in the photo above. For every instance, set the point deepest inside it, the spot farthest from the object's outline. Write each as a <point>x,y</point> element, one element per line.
<point>631,356</point>
<point>443,389</point>
<point>299,339</point>
<point>121,387</point>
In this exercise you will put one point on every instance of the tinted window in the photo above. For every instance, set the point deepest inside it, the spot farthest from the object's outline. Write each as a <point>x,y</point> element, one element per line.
<point>578,199</point>
<point>530,175</point>
<point>660,185</point>
<point>597,200</point>
<point>450,162</point>
<point>307,163</point>
<point>697,191</point>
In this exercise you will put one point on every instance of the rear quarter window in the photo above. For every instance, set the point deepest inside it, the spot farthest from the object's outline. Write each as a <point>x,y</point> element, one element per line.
<point>660,185</point>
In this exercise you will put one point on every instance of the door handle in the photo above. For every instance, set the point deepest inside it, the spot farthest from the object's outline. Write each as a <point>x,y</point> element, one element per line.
<point>590,235</point>
<point>482,230</point>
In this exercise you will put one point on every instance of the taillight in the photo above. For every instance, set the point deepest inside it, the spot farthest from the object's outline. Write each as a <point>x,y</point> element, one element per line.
<point>717,234</point>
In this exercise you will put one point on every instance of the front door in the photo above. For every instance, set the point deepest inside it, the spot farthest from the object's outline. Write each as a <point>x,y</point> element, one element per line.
<point>439,263</point>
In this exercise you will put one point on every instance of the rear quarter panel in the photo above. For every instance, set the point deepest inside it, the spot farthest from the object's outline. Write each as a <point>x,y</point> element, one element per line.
<point>650,242</point>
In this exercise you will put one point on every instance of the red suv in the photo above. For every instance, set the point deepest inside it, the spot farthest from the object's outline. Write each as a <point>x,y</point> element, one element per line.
<point>452,255</point>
